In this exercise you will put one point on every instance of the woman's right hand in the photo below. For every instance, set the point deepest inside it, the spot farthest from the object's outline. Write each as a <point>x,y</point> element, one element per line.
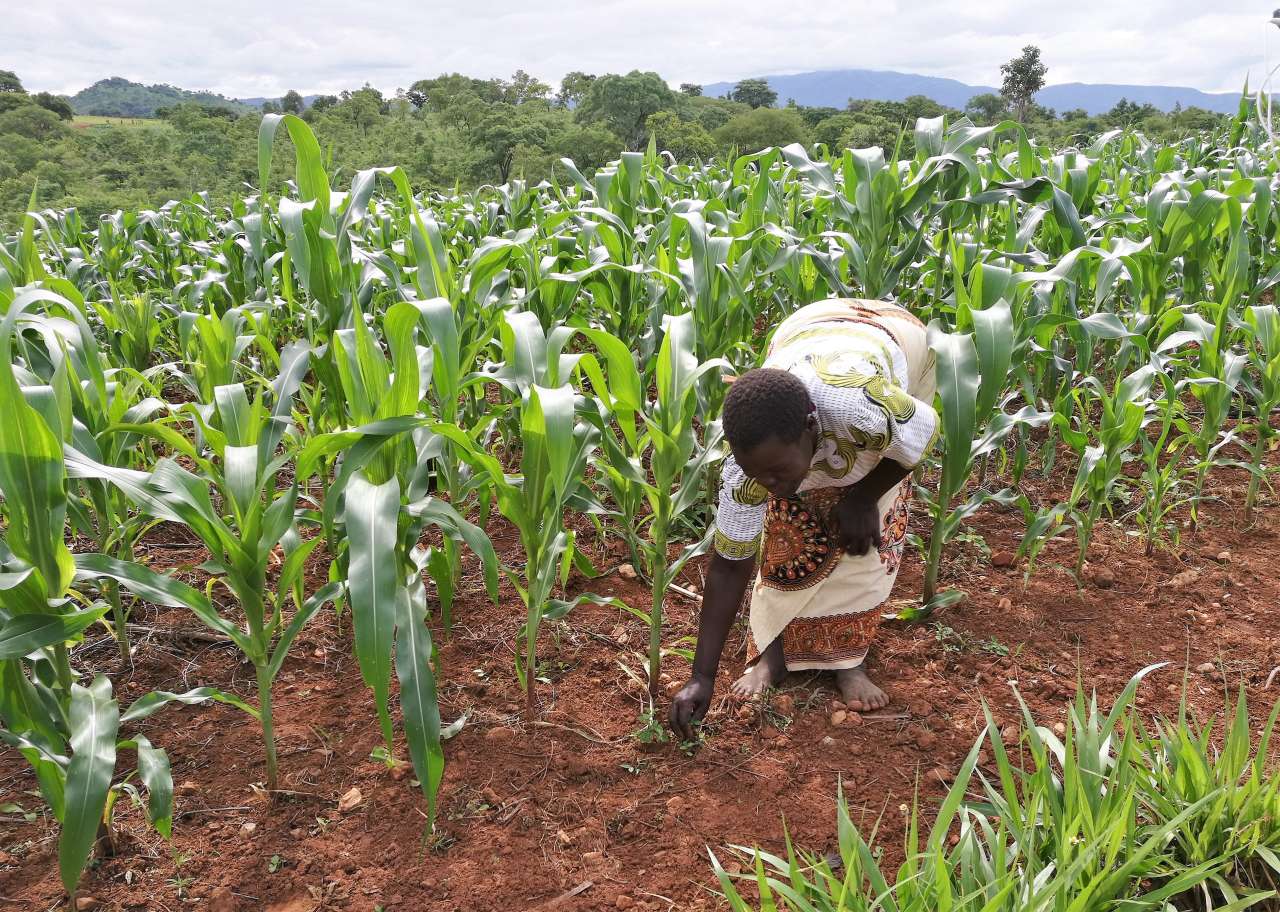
<point>689,705</point>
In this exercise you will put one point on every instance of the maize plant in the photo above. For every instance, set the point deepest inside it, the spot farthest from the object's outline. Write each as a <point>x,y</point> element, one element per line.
<point>70,734</point>
<point>380,498</point>
<point>241,523</point>
<point>677,461</point>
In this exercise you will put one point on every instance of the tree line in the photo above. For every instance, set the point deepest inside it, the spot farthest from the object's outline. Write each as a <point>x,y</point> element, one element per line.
<point>456,131</point>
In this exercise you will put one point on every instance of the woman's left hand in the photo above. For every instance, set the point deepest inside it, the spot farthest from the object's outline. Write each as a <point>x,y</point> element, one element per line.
<point>857,521</point>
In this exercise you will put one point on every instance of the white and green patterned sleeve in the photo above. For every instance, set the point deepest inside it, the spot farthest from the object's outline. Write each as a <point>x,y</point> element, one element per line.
<point>859,394</point>
<point>740,516</point>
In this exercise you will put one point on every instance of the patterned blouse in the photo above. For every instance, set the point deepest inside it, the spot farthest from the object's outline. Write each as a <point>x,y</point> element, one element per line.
<point>869,372</point>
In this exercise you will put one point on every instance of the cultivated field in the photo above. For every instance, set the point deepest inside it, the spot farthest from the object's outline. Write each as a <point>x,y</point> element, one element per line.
<point>354,538</point>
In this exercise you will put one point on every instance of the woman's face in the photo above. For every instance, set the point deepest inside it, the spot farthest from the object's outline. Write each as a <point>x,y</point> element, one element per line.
<point>779,467</point>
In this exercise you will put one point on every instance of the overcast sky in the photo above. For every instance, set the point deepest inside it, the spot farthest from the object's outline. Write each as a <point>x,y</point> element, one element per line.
<point>264,47</point>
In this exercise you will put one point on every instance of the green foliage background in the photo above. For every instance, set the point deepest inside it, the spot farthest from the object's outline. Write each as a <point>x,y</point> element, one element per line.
<point>450,132</point>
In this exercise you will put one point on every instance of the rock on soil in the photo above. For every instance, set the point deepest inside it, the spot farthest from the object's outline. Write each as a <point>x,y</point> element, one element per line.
<point>838,717</point>
<point>222,900</point>
<point>1003,559</point>
<point>1183,579</point>
<point>1103,577</point>
<point>351,800</point>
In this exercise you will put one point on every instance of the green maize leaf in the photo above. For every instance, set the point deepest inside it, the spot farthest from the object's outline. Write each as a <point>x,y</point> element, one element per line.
<point>418,706</point>
<point>956,360</point>
<point>94,719</point>
<point>26,633</point>
<point>371,514</point>
<point>150,703</point>
<point>326,593</point>
<point>153,770</point>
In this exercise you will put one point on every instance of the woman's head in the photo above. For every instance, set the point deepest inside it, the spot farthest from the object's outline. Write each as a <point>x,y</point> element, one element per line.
<point>769,423</point>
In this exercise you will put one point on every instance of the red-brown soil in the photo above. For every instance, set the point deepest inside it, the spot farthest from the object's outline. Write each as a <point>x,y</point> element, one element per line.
<point>529,814</point>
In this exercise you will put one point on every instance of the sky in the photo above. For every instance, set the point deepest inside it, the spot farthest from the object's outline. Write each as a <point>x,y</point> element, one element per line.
<point>264,47</point>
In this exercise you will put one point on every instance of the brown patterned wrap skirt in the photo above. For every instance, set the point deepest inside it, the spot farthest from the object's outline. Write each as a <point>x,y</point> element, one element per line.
<point>825,605</point>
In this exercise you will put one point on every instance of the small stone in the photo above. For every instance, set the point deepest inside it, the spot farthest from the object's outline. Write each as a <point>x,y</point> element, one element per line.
<point>318,652</point>
<point>1059,729</point>
<point>941,775</point>
<point>1183,580</point>
<point>983,757</point>
<point>827,740</point>
<point>1010,734</point>
<point>563,838</point>
<point>623,902</point>
<point>490,797</point>
<point>247,828</point>
<point>1224,557</point>
<point>592,858</point>
<point>87,902</point>
<point>926,740</point>
<point>1206,668</point>
<point>919,708</point>
<point>222,900</point>
<point>499,735</point>
<point>187,788</point>
<point>351,800</point>
<point>673,688</point>
<point>1103,577</point>
<point>838,717</point>
<point>675,804</point>
<point>745,711</point>
<point>785,704</point>
<point>627,572</point>
<point>1003,559</point>
<point>400,769</point>
<point>1005,604</point>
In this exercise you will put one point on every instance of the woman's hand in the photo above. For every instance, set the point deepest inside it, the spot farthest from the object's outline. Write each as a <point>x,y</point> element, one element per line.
<point>690,705</point>
<point>857,522</point>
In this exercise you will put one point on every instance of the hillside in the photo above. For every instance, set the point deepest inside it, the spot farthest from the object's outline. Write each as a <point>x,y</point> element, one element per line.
<point>119,97</point>
<point>257,102</point>
<point>834,88</point>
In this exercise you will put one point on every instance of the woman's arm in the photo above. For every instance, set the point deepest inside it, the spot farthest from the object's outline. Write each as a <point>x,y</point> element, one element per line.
<point>726,585</point>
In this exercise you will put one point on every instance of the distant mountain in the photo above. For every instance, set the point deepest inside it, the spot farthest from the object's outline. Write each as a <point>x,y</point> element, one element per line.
<point>258,102</point>
<point>119,97</point>
<point>834,88</point>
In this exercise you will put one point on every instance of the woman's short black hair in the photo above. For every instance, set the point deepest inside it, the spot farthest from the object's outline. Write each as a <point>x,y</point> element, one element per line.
<point>763,403</point>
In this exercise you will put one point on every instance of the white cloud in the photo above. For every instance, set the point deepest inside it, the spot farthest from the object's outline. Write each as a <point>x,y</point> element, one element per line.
<point>244,48</point>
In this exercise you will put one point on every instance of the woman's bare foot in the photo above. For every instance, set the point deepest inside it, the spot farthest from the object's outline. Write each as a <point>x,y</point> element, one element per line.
<point>768,670</point>
<point>857,691</point>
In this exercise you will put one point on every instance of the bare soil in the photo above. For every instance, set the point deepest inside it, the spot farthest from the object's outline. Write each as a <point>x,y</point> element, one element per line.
<point>575,812</point>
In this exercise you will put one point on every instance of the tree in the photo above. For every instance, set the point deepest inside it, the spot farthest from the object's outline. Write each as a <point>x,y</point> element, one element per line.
<point>292,102</point>
<point>9,82</point>
<point>624,104</point>
<point>587,145</point>
<point>524,87</point>
<point>362,107</point>
<point>56,103</point>
<point>682,138</point>
<point>270,107</point>
<point>1023,77</point>
<point>755,92</point>
<point>762,128</point>
<point>986,108</point>
<point>506,128</point>
<point>691,88</point>
<point>31,121</point>
<point>574,88</point>
<point>323,102</point>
